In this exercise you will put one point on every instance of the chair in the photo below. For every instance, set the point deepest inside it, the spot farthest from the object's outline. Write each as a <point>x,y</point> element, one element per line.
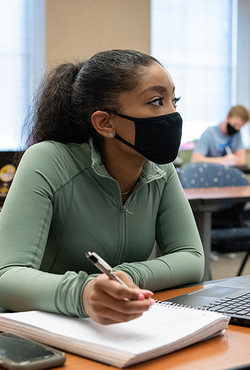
<point>228,234</point>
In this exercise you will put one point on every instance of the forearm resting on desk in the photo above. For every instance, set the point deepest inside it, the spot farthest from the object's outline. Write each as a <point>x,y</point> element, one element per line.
<point>167,271</point>
<point>230,159</point>
<point>24,289</point>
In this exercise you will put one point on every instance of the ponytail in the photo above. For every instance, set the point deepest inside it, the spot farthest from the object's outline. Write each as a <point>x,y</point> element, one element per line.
<point>53,117</point>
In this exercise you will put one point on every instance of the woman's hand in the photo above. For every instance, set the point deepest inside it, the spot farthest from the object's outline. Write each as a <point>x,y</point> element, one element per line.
<point>108,302</point>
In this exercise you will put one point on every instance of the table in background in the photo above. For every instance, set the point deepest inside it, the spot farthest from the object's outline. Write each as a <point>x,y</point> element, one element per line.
<point>223,352</point>
<point>203,202</point>
<point>244,168</point>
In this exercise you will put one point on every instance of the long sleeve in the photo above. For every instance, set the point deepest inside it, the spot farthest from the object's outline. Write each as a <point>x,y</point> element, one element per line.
<point>25,227</point>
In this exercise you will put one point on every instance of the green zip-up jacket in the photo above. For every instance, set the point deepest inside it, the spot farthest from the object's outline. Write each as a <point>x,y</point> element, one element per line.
<point>63,203</point>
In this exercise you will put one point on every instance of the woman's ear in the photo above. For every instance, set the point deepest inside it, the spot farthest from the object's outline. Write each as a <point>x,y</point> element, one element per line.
<point>102,122</point>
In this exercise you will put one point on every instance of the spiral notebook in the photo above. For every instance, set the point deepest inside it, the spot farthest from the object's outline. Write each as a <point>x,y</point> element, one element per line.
<point>162,329</point>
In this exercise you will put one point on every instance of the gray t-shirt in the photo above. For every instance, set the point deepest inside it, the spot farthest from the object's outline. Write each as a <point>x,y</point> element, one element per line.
<point>213,142</point>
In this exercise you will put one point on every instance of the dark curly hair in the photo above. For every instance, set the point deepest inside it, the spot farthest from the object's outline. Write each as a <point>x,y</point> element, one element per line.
<point>72,92</point>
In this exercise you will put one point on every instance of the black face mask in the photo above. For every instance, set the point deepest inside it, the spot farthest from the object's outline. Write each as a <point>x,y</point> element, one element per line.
<point>156,138</point>
<point>231,130</point>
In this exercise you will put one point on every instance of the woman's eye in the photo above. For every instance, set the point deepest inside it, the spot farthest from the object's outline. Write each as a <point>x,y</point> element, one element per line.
<point>157,101</point>
<point>175,101</point>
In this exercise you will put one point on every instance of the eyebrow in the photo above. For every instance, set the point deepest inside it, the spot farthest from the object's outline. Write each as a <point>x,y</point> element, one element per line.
<point>159,89</point>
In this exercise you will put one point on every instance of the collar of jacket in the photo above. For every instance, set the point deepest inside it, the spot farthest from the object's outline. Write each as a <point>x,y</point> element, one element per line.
<point>150,171</point>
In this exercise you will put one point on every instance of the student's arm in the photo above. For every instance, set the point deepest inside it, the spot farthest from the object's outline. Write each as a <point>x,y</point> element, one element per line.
<point>202,149</point>
<point>24,229</point>
<point>230,159</point>
<point>241,156</point>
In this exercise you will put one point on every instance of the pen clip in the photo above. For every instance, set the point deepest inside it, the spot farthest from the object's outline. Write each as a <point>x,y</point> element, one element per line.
<point>103,266</point>
<point>98,262</point>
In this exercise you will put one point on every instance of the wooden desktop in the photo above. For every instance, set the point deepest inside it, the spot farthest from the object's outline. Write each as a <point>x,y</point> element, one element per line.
<point>229,350</point>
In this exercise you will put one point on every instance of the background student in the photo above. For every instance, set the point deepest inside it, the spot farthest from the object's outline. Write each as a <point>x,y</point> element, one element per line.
<point>222,144</point>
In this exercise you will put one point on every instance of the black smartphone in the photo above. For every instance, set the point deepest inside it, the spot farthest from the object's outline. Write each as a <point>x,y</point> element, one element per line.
<point>20,353</point>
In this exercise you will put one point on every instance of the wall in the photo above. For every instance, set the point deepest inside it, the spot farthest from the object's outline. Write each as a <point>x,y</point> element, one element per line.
<point>80,28</point>
<point>242,61</point>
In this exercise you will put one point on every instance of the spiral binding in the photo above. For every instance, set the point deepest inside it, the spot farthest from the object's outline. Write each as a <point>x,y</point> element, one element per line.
<point>177,305</point>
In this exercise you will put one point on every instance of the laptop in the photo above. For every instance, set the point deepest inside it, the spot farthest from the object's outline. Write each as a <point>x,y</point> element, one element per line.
<point>230,296</point>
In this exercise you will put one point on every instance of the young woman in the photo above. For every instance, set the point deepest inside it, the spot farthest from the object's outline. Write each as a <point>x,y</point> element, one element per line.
<point>89,182</point>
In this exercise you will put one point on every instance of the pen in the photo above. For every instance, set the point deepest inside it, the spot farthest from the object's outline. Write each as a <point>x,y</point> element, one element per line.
<point>103,266</point>
<point>228,150</point>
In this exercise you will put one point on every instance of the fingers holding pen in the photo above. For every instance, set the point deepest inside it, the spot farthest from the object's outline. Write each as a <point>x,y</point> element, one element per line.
<point>124,279</point>
<point>133,294</point>
<point>107,301</point>
<point>112,297</point>
<point>118,310</point>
